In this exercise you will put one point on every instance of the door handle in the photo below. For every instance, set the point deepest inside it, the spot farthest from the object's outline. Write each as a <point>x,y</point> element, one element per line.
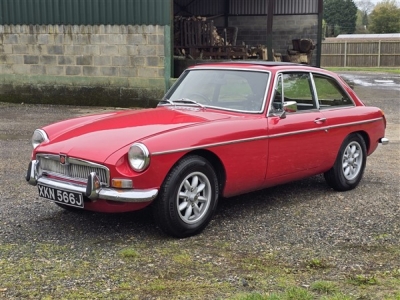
<point>320,120</point>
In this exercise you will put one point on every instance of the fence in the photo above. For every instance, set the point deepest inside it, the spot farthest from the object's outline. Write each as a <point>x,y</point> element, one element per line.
<point>361,54</point>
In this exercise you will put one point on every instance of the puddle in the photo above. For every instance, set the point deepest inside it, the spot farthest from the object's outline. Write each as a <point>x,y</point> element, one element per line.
<point>384,81</point>
<point>391,82</point>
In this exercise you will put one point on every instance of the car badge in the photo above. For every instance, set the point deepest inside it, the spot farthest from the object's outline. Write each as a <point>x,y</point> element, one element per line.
<point>63,159</point>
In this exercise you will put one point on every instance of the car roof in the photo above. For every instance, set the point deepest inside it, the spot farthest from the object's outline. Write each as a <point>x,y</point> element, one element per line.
<point>261,63</point>
<point>257,64</point>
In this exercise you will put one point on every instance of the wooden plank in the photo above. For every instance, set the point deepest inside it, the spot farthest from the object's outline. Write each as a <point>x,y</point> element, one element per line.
<point>361,53</point>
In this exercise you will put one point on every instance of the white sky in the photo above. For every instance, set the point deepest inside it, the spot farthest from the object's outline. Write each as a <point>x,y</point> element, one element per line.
<point>374,2</point>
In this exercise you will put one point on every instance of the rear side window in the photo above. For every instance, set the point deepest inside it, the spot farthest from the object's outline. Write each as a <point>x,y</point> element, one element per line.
<point>330,93</point>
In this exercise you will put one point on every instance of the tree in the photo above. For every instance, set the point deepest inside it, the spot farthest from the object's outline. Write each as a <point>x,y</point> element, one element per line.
<point>341,14</point>
<point>362,22</point>
<point>365,6</point>
<point>385,18</point>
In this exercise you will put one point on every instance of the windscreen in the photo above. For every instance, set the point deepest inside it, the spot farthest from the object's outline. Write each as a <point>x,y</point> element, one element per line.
<point>225,89</point>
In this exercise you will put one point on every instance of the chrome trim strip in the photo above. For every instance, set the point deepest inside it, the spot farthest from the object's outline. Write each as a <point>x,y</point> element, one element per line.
<point>263,137</point>
<point>355,123</point>
<point>226,67</point>
<point>325,128</point>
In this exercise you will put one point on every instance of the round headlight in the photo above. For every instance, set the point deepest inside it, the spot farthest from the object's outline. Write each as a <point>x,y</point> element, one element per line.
<point>38,137</point>
<point>139,157</point>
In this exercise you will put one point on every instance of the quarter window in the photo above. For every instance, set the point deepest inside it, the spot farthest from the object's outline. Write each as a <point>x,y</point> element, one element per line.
<point>329,92</point>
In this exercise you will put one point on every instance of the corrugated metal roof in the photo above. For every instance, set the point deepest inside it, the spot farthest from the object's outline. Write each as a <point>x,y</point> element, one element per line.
<point>251,7</point>
<point>369,36</point>
<point>199,7</point>
<point>296,7</point>
<point>86,12</point>
<point>245,7</point>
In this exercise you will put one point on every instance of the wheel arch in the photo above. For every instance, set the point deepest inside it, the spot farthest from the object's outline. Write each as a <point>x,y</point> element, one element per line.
<point>365,137</point>
<point>350,163</point>
<point>215,162</point>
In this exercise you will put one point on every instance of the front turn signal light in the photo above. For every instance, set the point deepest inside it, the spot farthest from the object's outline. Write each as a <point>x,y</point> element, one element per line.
<point>122,183</point>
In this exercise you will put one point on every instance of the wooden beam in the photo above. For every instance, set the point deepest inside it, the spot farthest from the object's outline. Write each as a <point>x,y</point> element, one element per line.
<point>270,22</point>
<point>226,13</point>
<point>319,32</point>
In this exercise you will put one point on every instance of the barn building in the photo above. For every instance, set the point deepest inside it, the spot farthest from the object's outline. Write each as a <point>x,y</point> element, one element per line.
<point>128,52</point>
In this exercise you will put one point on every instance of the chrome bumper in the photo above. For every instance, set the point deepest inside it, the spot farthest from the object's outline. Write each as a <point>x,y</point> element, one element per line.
<point>92,190</point>
<point>384,141</point>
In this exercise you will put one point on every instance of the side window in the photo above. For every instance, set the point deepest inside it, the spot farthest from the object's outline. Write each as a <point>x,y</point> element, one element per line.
<point>329,92</point>
<point>297,93</point>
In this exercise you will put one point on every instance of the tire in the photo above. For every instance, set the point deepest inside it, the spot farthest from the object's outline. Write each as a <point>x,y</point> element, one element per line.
<point>188,198</point>
<point>349,166</point>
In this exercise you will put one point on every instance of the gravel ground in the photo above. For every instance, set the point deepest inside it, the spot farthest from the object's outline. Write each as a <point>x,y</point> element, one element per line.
<point>297,226</point>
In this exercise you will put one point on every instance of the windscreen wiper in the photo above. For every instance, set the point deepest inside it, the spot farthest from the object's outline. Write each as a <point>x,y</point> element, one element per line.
<point>167,101</point>
<point>190,101</point>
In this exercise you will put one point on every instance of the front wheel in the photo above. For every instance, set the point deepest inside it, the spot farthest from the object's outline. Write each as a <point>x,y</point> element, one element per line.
<point>188,198</point>
<point>349,166</point>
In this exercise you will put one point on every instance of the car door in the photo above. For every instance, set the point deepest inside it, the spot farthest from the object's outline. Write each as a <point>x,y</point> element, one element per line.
<point>296,127</point>
<point>337,107</point>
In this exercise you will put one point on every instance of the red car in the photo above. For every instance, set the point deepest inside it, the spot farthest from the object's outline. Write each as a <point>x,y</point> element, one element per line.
<point>223,129</point>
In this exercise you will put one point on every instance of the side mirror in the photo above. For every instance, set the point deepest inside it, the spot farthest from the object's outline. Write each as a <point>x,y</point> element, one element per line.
<point>290,106</point>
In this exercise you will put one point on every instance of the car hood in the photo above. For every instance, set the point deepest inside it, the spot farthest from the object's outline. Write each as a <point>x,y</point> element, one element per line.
<point>98,136</point>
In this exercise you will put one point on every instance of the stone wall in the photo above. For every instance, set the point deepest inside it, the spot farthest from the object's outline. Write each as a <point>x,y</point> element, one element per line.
<point>253,30</point>
<point>88,65</point>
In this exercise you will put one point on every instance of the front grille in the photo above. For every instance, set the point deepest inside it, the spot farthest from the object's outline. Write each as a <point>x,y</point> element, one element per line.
<point>74,169</point>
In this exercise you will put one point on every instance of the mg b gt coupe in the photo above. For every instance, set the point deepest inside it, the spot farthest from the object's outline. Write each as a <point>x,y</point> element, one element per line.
<point>223,129</point>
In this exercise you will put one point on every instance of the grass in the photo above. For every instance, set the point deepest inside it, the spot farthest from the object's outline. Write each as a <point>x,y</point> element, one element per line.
<point>363,280</point>
<point>317,263</point>
<point>324,287</point>
<point>364,69</point>
<point>170,269</point>
<point>129,253</point>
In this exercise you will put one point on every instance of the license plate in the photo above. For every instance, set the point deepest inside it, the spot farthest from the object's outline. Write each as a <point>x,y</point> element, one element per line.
<point>61,196</point>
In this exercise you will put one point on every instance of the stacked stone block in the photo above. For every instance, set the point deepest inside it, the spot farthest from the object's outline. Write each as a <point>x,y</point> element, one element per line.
<point>129,57</point>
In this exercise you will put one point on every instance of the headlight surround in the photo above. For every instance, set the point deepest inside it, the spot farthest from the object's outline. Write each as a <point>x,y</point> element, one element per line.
<point>39,136</point>
<point>139,157</point>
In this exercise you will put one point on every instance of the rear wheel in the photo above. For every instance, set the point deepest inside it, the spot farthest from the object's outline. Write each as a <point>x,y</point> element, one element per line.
<point>349,166</point>
<point>188,198</point>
